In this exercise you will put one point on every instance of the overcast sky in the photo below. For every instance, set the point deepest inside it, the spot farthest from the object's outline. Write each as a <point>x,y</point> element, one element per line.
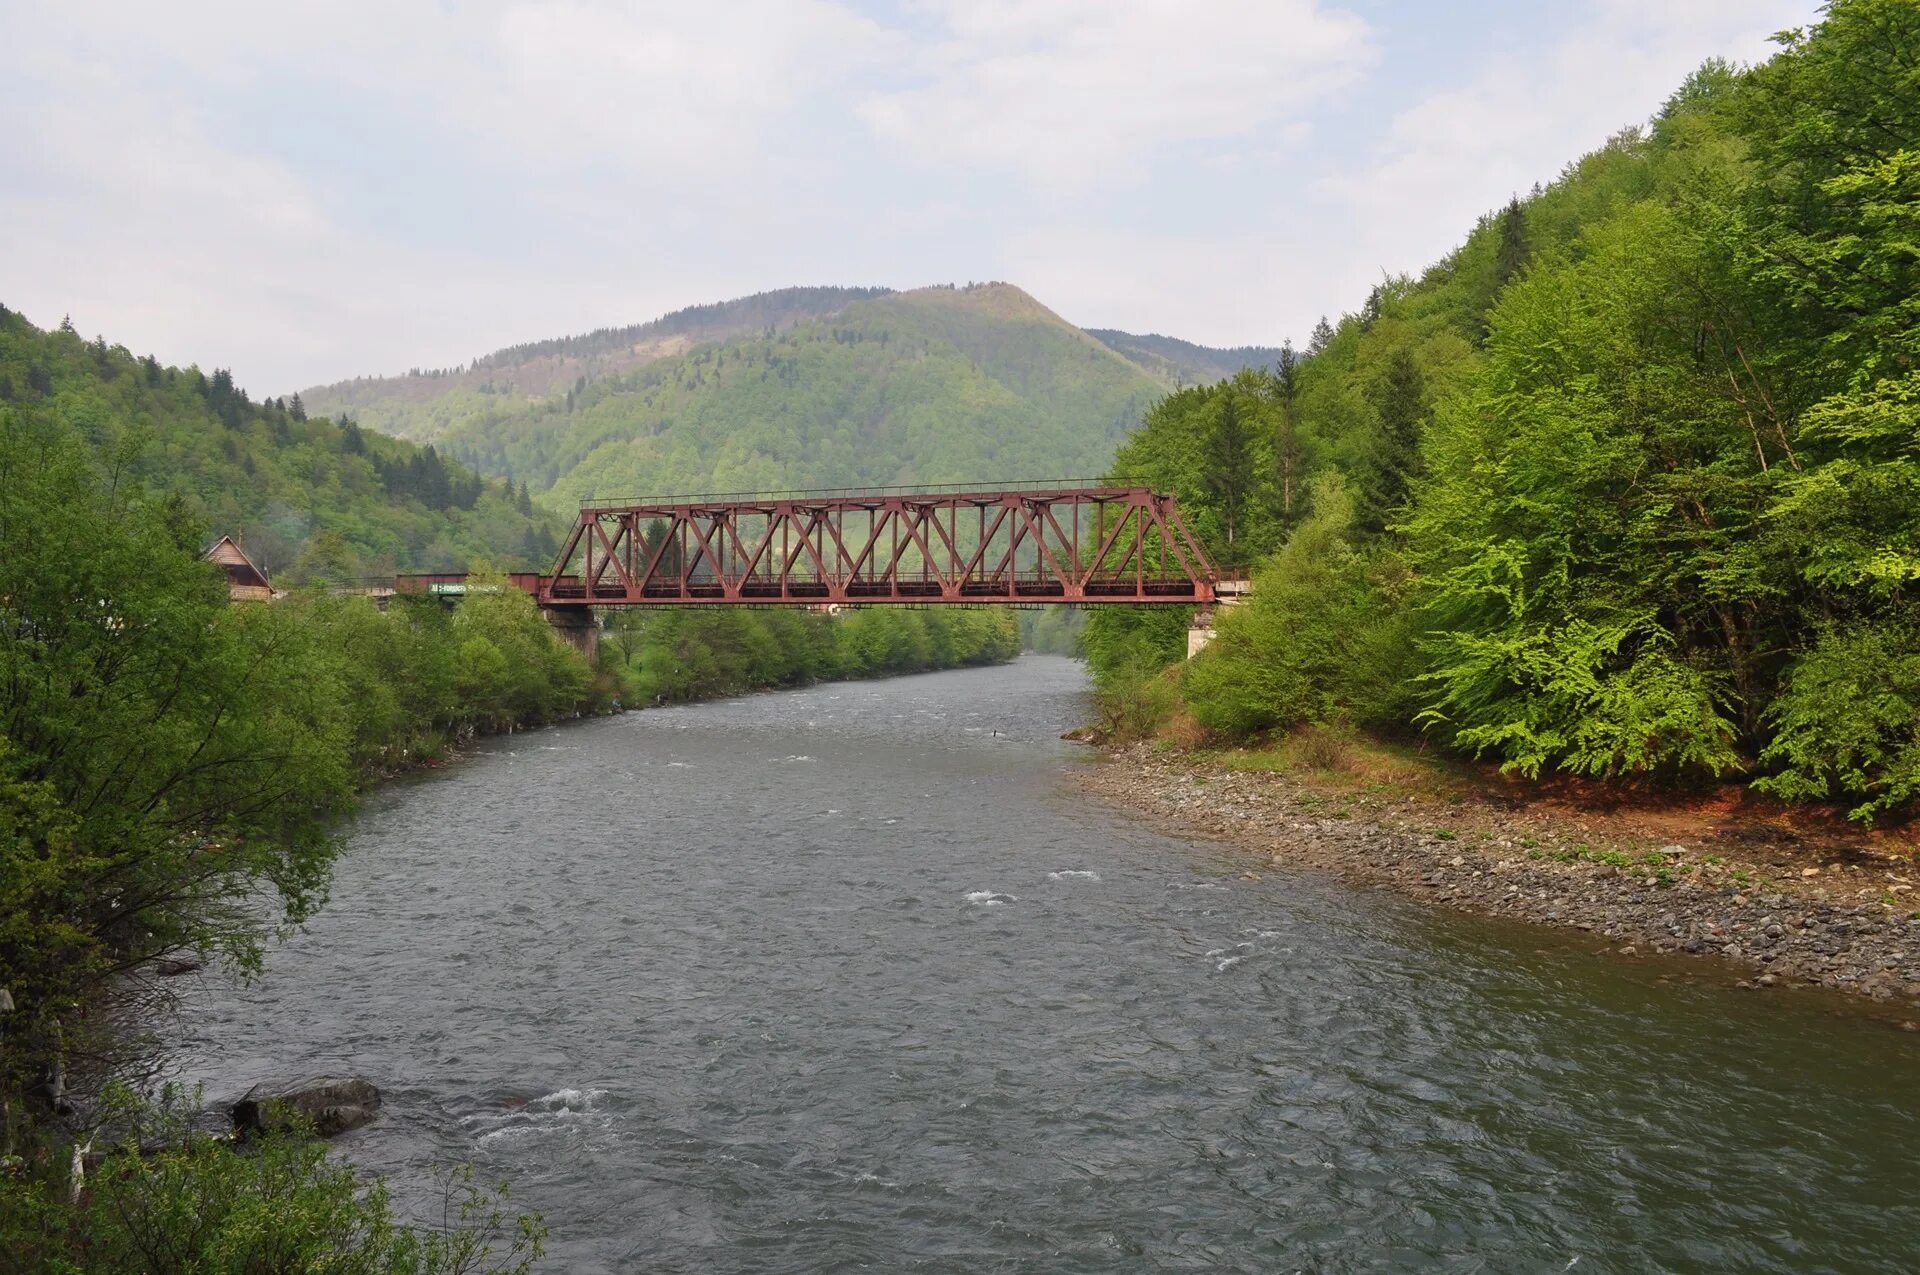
<point>306,191</point>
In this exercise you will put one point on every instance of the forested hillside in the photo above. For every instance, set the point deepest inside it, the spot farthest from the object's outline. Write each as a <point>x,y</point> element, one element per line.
<point>806,387</point>
<point>937,385</point>
<point>1181,363</point>
<point>1629,483</point>
<point>426,405</point>
<point>307,496</point>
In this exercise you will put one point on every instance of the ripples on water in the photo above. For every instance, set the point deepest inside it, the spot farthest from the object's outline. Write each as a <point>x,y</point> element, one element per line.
<point>849,978</point>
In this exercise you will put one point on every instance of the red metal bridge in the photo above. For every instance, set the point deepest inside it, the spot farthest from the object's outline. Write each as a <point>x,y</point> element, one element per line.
<point>1038,544</point>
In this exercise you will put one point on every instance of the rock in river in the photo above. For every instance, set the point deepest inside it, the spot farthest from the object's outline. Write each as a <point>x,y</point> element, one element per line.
<point>334,1104</point>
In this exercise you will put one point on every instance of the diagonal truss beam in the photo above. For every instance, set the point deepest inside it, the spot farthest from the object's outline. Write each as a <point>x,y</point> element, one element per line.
<point>1081,545</point>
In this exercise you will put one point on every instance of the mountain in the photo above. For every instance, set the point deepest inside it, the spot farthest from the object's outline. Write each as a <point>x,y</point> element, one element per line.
<point>424,405</point>
<point>806,387</point>
<point>1183,363</point>
<point>307,496</point>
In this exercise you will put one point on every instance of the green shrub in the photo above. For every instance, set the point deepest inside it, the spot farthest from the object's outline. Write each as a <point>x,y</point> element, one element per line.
<point>1847,723</point>
<point>1319,638</point>
<point>1134,701</point>
<point>201,1205</point>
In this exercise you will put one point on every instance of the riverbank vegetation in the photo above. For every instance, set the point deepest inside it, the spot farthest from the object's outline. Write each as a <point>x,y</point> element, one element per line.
<point>1629,484</point>
<point>172,768</point>
<point>675,656</point>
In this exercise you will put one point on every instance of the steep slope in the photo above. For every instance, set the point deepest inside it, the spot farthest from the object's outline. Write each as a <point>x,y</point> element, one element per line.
<point>934,385</point>
<point>1181,363</point>
<point>426,405</point>
<point>308,497</point>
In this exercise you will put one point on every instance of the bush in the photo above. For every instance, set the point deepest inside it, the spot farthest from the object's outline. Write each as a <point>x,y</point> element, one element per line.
<point>1319,639</point>
<point>1134,701</point>
<point>1847,723</point>
<point>200,1205</point>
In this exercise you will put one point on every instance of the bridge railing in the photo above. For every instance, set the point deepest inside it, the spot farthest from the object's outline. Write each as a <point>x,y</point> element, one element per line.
<point>947,490</point>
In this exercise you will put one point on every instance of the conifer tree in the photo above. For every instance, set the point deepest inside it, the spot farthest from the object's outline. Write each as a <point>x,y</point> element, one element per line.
<point>1286,447</point>
<point>1399,399</point>
<point>1228,464</point>
<point>1514,251</point>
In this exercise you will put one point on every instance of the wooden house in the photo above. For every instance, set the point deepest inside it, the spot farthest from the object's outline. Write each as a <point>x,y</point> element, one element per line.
<point>245,581</point>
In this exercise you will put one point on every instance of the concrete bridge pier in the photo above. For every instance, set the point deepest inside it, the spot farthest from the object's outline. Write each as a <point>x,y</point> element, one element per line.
<point>1226,593</point>
<point>1200,632</point>
<point>578,627</point>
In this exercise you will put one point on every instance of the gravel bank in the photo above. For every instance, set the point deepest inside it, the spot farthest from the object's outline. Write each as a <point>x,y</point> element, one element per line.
<point>1824,912</point>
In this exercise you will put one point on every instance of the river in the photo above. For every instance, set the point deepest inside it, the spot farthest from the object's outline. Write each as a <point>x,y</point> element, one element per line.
<point>850,978</point>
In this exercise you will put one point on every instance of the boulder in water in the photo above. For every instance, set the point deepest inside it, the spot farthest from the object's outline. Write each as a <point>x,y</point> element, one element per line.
<point>332,1104</point>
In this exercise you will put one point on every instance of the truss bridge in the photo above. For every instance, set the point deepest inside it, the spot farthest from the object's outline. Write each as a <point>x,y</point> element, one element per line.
<point>1088,545</point>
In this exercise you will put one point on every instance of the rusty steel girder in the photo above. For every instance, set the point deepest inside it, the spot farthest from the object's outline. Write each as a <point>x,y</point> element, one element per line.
<point>1064,544</point>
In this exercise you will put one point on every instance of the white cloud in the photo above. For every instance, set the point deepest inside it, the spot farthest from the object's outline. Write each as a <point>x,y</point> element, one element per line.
<point>1243,289</point>
<point>318,188</point>
<point>148,205</point>
<point>670,91</point>
<point>1071,94</point>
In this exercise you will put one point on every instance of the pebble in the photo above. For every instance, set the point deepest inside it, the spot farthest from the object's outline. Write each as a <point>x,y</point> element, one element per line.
<point>1788,929</point>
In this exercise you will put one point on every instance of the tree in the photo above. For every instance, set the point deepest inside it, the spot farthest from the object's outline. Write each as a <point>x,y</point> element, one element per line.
<point>1229,465</point>
<point>1286,448</point>
<point>167,760</point>
<point>296,408</point>
<point>1322,337</point>
<point>1393,462</point>
<point>1514,251</point>
<point>1317,640</point>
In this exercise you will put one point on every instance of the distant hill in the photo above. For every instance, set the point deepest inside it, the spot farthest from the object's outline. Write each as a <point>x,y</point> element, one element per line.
<point>935,385</point>
<point>305,495</point>
<point>805,387</point>
<point>1183,362</point>
<point>424,405</point>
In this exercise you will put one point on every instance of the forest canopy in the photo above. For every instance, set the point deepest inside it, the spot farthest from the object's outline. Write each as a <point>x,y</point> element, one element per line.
<point>1627,484</point>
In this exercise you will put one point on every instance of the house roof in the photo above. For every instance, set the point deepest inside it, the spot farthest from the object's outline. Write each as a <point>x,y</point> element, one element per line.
<point>240,568</point>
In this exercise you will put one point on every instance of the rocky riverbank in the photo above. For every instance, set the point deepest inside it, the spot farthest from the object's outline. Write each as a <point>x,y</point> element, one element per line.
<point>1833,910</point>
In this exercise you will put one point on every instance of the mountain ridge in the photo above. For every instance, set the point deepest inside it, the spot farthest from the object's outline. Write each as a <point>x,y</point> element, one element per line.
<point>802,388</point>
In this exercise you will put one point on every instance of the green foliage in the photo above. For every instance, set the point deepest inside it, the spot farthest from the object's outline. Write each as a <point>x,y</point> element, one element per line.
<point>1317,640</point>
<point>1056,630</point>
<point>310,498</point>
<point>1848,722</point>
<point>1588,589</point>
<point>1638,465</point>
<point>934,386</point>
<point>162,757</point>
<point>1393,462</point>
<point>1229,472</point>
<point>675,656</point>
<point>166,1199</point>
<point>1134,700</point>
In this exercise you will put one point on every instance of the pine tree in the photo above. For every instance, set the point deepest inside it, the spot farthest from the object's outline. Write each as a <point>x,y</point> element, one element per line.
<point>1399,398</point>
<point>1322,337</point>
<point>297,409</point>
<point>1514,251</point>
<point>1286,448</point>
<point>1227,465</point>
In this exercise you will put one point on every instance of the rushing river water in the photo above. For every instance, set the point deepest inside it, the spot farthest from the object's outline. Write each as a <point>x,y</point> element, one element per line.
<point>852,979</point>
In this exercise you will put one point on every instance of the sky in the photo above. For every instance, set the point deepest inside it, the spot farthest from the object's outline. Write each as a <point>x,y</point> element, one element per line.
<point>306,191</point>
